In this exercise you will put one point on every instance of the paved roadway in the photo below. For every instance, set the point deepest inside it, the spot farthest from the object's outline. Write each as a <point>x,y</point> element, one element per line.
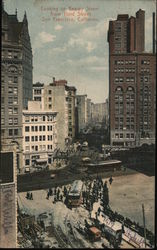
<point>42,179</point>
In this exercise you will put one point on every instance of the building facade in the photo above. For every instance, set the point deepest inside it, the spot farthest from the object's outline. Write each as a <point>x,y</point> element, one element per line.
<point>132,76</point>
<point>39,135</point>
<point>81,101</point>
<point>99,112</point>
<point>16,78</point>
<point>58,96</point>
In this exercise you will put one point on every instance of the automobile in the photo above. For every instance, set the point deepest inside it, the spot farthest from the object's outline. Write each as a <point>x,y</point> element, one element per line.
<point>52,176</point>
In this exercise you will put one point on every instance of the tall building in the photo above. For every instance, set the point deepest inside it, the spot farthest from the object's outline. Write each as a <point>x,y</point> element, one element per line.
<point>58,96</point>
<point>16,78</point>
<point>132,76</point>
<point>81,101</point>
<point>39,135</point>
<point>99,112</point>
<point>127,35</point>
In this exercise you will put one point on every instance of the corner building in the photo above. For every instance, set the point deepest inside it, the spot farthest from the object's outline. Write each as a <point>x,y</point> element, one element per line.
<point>132,91</point>
<point>16,78</point>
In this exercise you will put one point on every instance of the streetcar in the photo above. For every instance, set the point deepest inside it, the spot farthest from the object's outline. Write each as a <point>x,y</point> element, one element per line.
<point>75,194</point>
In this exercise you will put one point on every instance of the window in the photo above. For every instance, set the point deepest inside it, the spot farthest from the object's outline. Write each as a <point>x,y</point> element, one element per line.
<point>15,110</point>
<point>10,121</point>
<point>49,92</point>
<point>32,128</point>
<point>10,110</point>
<point>36,128</point>
<point>15,79</point>
<point>2,121</point>
<point>15,90</point>
<point>40,138</point>
<point>43,128</point>
<point>36,138</point>
<point>15,121</point>
<point>10,100</point>
<point>43,137</point>
<point>40,128</point>
<point>43,118</point>
<point>15,100</point>
<point>121,135</point>
<point>127,135</point>
<point>36,148</point>
<point>27,129</point>
<point>26,118</point>
<point>15,131</point>
<point>26,138</point>
<point>27,162</point>
<point>50,106</point>
<point>12,69</point>
<point>10,90</point>
<point>10,132</point>
<point>32,138</point>
<point>27,148</point>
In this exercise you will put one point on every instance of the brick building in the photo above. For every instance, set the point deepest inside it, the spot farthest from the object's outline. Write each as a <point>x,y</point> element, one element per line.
<point>132,76</point>
<point>16,78</point>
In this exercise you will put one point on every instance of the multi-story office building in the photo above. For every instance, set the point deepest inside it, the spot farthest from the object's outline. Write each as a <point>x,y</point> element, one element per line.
<point>16,78</point>
<point>81,101</point>
<point>57,96</point>
<point>39,134</point>
<point>132,74</point>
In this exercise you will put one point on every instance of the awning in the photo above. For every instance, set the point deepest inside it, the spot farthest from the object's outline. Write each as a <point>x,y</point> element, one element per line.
<point>41,160</point>
<point>86,159</point>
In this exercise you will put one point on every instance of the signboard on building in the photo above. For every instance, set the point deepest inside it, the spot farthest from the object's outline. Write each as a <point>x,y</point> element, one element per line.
<point>7,216</point>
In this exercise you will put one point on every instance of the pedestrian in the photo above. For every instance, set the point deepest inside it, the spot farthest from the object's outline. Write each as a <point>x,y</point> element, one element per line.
<point>110,180</point>
<point>31,196</point>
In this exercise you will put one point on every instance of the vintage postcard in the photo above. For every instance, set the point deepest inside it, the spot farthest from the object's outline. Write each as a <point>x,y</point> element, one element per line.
<point>78,116</point>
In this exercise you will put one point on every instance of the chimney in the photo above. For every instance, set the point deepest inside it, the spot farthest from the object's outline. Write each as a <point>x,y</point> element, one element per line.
<point>53,79</point>
<point>153,17</point>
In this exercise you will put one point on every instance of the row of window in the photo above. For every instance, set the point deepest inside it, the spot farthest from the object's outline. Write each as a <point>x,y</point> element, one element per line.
<point>13,132</point>
<point>122,79</point>
<point>122,70</point>
<point>12,90</point>
<point>38,128</point>
<point>39,148</point>
<point>39,118</point>
<point>38,138</point>
<point>11,121</point>
<point>11,54</point>
<point>122,62</point>
<point>11,100</point>
<point>117,136</point>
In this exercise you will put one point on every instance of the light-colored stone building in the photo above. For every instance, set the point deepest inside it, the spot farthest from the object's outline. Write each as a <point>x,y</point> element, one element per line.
<point>39,134</point>
<point>57,96</point>
<point>99,112</point>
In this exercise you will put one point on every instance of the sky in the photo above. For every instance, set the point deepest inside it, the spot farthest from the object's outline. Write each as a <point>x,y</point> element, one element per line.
<point>69,39</point>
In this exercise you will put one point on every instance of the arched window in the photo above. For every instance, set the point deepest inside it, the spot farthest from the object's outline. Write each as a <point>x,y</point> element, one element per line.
<point>13,69</point>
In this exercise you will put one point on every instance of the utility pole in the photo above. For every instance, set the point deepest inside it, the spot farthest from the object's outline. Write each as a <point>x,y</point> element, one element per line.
<point>144,224</point>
